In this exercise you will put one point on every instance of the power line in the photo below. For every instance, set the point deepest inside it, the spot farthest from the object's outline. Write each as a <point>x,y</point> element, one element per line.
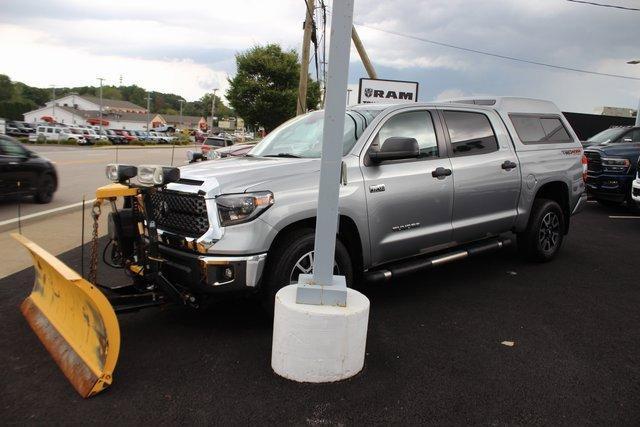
<point>605,5</point>
<point>496,55</point>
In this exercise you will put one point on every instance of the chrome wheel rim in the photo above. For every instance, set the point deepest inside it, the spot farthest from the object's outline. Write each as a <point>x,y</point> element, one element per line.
<point>549,233</point>
<point>304,265</point>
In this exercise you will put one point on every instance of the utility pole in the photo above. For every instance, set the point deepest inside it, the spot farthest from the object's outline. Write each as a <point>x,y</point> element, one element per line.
<point>101,80</point>
<point>213,107</point>
<point>181,101</point>
<point>304,61</point>
<point>148,107</point>
<point>363,54</point>
<point>53,88</point>
<point>636,62</point>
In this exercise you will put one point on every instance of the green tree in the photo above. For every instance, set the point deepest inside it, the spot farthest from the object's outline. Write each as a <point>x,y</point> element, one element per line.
<point>6,88</point>
<point>265,88</point>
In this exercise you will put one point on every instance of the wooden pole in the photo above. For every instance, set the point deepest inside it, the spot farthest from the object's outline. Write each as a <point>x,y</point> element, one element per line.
<point>304,62</point>
<point>363,54</point>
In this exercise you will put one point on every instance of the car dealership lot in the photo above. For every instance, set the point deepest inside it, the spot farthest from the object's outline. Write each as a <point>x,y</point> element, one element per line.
<point>434,352</point>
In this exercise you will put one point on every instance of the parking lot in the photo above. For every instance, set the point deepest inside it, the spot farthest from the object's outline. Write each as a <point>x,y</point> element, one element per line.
<point>434,350</point>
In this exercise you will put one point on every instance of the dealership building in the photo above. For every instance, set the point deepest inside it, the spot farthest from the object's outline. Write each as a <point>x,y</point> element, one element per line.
<point>116,114</point>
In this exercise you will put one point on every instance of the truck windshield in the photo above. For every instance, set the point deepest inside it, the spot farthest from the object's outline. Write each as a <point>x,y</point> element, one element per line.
<point>606,136</point>
<point>302,135</point>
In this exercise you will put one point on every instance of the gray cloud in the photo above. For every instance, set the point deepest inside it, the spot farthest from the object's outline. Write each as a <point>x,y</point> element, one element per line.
<point>209,33</point>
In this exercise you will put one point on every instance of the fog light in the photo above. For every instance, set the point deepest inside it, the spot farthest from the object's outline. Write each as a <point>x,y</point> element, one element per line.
<point>228,273</point>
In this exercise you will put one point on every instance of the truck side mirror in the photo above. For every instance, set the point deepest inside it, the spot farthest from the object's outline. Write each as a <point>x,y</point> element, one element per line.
<point>396,148</point>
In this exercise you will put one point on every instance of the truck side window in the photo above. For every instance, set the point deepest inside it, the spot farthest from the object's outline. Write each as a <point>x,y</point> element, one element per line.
<point>538,130</point>
<point>413,124</point>
<point>470,133</point>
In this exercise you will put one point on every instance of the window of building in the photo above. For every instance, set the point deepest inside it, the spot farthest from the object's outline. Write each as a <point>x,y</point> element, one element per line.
<point>470,133</point>
<point>413,124</point>
<point>539,130</point>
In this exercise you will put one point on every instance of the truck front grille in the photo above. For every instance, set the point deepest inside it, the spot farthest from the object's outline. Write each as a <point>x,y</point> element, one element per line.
<point>181,213</point>
<point>594,162</point>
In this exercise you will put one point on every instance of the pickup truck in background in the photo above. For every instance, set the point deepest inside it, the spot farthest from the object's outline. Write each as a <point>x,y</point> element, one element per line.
<point>612,157</point>
<point>421,185</point>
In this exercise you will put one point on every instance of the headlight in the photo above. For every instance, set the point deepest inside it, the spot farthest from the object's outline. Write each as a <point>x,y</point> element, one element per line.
<point>239,208</point>
<point>120,173</point>
<point>157,175</point>
<point>615,164</point>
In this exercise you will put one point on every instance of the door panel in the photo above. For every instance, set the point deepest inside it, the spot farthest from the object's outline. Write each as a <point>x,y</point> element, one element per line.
<point>409,210</point>
<point>486,175</point>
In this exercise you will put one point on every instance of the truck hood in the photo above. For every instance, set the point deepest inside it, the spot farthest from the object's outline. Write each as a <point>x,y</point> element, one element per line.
<point>237,174</point>
<point>627,150</point>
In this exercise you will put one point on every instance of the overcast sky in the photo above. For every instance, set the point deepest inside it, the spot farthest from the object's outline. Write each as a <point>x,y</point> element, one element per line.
<point>188,47</point>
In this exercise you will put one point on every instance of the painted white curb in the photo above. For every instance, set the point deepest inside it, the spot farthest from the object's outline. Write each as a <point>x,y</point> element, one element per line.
<point>315,343</point>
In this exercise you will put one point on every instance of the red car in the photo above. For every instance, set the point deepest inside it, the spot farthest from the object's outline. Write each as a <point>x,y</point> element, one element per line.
<point>125,134</point>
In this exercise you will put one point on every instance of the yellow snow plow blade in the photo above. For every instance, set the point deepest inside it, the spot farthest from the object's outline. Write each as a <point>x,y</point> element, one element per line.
<point>74,321</point>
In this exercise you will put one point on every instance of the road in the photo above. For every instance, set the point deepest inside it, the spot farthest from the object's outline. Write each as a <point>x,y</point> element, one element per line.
<point>434,352</point>
<point>81,171</point>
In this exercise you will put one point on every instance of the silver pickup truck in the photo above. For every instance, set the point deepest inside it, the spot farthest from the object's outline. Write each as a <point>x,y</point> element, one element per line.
<point>421,185</point>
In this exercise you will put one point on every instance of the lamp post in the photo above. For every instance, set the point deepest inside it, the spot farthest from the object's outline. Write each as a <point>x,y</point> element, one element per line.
<point>181,101</point>
<point>213,106</point>
<point>101,80</point>
<point>636,62</point>
<point>53,98</point>
<point>148,106</point>
<point>349,96</point>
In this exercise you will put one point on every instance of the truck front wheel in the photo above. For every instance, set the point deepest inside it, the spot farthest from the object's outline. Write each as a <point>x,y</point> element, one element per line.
<point>292,256</point>
<point>543,237</point>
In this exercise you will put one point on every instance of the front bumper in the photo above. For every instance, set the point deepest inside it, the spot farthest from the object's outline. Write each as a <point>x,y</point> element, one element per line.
<point>609,187</point>
<point>210,274</point>
<point>635,190</point>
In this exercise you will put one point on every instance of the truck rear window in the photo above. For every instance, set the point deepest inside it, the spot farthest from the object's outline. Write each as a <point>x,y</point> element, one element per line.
<point>540,129</point>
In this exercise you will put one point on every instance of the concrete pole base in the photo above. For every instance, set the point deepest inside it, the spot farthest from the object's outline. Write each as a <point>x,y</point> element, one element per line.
<point>317,343</point>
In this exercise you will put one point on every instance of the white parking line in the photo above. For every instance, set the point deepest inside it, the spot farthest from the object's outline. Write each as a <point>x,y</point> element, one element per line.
<point>47,212</point>
<point>624,217</point>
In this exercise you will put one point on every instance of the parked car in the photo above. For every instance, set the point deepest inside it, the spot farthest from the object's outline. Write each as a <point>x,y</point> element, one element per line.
<point>92,136</point>
<point>214,143</point>
<point>55,133</point>
<point>421,185</point>
<point>113,137</point>
<point>87,139</point>
<point>124,134</point>
<point>635,186</point>
<point>36,175</point>
<point>17,129</point>
<point>612,165</point>
<point>614,135</point>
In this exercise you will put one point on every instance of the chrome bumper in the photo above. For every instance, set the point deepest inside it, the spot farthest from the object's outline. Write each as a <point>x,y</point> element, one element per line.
<point>254,265</point>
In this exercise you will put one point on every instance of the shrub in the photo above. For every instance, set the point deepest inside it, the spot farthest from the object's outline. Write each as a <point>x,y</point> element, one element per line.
<point>102,142</point>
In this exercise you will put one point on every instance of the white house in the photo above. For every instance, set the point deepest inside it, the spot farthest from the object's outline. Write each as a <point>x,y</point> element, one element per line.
<point>83,109</point>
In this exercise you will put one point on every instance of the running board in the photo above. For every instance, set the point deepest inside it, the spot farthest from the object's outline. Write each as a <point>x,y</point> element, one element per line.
<point>419,264</point>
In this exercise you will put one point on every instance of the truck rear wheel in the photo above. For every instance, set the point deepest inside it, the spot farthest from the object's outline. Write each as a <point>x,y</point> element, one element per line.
<point>293,256</point>
<point>542,239</point>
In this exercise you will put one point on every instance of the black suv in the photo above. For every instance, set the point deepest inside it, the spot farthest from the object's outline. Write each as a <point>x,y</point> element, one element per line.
<point>612,158</point>
<point>36,176</point>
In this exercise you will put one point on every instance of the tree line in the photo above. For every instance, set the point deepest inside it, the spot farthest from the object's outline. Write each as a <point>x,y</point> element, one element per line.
<point>263,92</point>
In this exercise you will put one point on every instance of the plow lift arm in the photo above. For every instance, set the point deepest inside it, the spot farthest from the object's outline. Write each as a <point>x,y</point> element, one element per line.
<point>76,319</point>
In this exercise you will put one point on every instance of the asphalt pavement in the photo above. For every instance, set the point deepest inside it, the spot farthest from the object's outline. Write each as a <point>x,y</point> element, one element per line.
<point>434,350</point>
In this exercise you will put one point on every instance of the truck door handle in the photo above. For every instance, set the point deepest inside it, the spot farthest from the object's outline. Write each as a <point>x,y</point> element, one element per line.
<point>508,165</point>
<point>441,172</point>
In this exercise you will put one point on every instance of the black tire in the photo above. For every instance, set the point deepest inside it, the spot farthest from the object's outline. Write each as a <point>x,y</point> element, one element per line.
<point>542,239</point>
<point>284,257</point>
<point>609,203</point>
<point>45,190</point>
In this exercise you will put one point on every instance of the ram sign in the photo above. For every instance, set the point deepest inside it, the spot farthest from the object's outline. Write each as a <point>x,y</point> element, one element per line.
<point>375,91</point>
